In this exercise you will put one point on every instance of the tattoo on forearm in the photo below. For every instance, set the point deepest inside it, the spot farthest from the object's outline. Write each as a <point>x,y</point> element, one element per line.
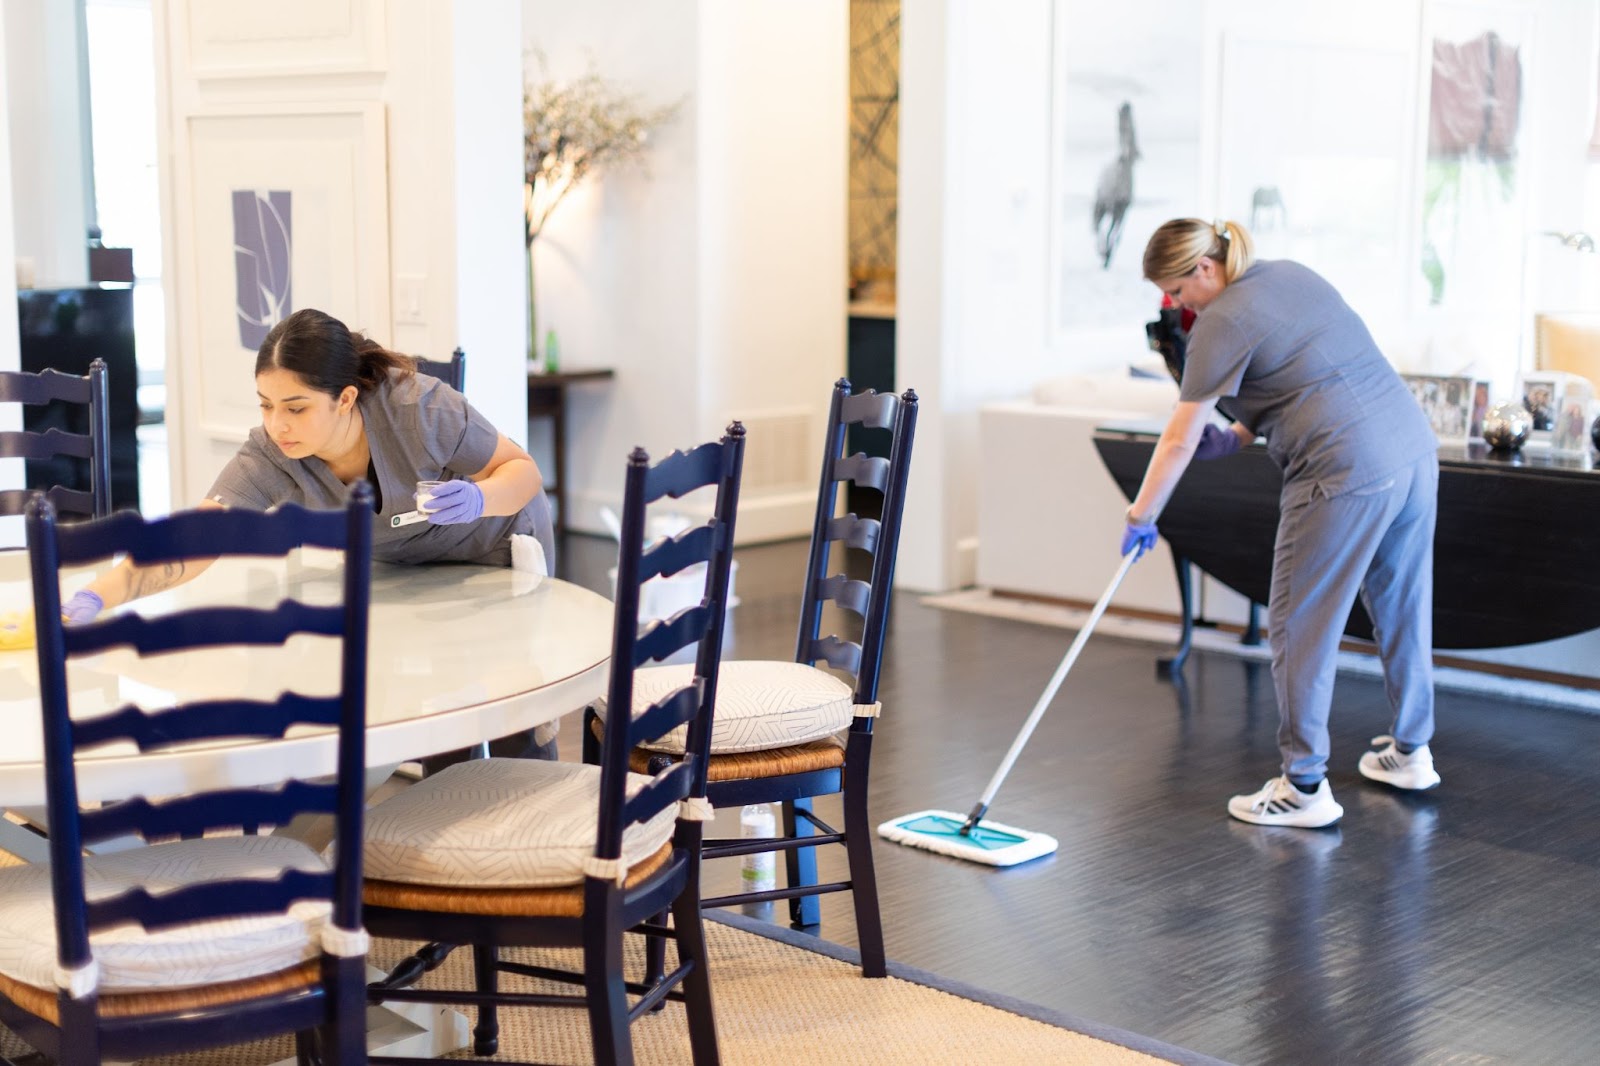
<point>152,579</point>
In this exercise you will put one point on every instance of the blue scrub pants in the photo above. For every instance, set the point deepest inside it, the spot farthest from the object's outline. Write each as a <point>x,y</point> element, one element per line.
<point>1376,541</point>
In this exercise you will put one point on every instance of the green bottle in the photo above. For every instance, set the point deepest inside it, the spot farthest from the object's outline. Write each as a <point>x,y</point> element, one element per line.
<point>552,353</point>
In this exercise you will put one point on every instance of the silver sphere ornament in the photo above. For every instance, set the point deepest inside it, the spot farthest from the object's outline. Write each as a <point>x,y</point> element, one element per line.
<point>1506,426</point>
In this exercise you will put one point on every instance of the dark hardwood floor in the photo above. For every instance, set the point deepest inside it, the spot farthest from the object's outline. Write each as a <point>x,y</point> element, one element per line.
<point>1460,926</point>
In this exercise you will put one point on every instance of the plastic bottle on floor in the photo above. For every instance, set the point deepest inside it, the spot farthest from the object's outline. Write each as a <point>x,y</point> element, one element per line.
<point>759,872</point>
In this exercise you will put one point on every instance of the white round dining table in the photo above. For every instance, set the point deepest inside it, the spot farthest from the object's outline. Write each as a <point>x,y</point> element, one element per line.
<point>457,655</point>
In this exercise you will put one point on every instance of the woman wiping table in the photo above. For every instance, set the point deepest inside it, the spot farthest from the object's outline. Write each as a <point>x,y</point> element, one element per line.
<point>336,408</point>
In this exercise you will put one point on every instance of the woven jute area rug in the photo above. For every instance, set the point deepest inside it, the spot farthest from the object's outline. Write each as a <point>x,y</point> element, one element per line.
<point>781,1004</point>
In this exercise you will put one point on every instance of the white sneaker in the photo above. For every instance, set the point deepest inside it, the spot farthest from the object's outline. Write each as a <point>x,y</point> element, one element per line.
<point>1280,803</point>
<point>1385,763</point>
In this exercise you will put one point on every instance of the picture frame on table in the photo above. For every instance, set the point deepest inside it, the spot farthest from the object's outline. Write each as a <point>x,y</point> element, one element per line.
<point>1570,435</point>
<point>1447,401</point>
<point>1542,392</point>
<point>1480,408</point>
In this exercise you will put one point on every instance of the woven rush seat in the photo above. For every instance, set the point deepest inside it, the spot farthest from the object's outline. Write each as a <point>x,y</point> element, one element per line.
<point>760,705</point>
<point>825,754</point>
<point>565,902</point>
<point>198,955</point>
<point>45,1004</point>
<point>500,824</point>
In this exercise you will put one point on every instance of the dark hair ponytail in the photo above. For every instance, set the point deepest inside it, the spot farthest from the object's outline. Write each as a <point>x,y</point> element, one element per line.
<point>327,355</point>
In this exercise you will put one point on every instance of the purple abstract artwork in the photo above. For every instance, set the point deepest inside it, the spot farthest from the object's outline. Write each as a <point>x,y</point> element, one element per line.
<point>262,242</point>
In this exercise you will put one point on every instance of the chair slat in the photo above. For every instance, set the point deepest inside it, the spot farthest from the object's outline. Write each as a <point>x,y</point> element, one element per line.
<point>855,532</point>
<point>682,472</point>
<point>870,409</point>
<point>686,549</point>
<point>839,654</point>
<point>869,471</point>
<point>663,716</point>
<point>77,501</point>
<point>193,815</point>
<point>26,444</point>
<point>847,592</point>
<point>240,532</point>
<point>660,639</point>
<point>20,386</point>
<point>157,729</point>
<point>208,899</point>
<point>674,784</point>
<point>206,628</point>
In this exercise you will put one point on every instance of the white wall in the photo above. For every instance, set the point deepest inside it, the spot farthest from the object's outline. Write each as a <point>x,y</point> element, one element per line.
<point>48,170</point>
<point>488,249</point>
<point>11,470</point>
<point>973,252</point>
<point>714,279</point>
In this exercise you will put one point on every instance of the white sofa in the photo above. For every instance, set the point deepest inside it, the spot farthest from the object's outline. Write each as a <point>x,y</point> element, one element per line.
<point>1050,518</point>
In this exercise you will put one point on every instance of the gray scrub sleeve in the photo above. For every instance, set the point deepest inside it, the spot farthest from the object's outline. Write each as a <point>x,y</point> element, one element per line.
<point>252,481</point>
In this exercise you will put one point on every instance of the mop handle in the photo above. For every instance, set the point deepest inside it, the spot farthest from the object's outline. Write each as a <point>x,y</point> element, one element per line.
<point>1051,689</point>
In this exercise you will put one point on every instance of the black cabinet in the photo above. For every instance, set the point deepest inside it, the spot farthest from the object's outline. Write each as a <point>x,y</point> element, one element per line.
<point>67,329</point>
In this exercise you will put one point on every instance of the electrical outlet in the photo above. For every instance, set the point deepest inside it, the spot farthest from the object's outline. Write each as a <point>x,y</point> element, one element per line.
<point>408,290</point>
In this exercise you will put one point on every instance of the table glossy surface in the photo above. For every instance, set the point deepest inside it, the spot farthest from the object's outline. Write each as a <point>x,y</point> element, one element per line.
<point>1514,553</point>
<point>458,654</point>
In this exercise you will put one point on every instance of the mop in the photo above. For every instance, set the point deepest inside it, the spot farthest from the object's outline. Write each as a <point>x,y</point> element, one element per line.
<point>992,843</point>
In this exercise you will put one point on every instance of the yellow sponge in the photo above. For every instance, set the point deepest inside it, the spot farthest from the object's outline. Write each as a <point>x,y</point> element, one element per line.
<point>16,630</point>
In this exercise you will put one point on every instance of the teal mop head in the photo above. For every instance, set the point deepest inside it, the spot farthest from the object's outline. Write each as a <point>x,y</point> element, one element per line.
<point>987,842</point>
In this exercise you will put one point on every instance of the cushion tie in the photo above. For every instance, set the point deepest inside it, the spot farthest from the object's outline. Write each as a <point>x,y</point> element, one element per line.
<point>696,809</point>
<point>78,982</point>
<point>345,943</point>
<point>866,710</point>
<point>606,869</point>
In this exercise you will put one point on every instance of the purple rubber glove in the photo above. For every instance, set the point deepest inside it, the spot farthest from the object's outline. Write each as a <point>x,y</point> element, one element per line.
<point>1215,442</point>
<point>81,608</point>
<point>455,502</point>
<point>1139,537</point>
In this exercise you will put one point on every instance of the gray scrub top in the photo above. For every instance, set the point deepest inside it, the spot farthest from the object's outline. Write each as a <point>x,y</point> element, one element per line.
<point>1285,355</point>
<point>418,429</point>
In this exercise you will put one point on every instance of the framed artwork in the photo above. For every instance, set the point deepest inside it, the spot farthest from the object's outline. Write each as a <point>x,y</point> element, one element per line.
<point>1480,407</point>
<point>1570,434</point>
<point>1448,403</point>
<point>1126,112</point>
<point>290,210</point>
<point>1542,393</point>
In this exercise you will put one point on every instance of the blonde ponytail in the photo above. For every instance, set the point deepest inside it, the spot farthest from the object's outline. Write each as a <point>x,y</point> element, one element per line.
<point>1177,247</point>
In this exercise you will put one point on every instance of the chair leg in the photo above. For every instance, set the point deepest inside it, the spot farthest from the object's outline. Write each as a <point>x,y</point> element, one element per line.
<point>801,866</point>
<point>343,1038</point>
<point>486,973</point>
<point>655,958</point>
<point>591,743</point>
<point>607,995</point>
<point>305,1049</point>
<point>863,875</point>
<point>691,942</point>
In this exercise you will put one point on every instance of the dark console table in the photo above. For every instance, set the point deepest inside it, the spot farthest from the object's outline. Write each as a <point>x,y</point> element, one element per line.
<point>547,397</point>
<point>1515,558</point>
<point>67,329</point>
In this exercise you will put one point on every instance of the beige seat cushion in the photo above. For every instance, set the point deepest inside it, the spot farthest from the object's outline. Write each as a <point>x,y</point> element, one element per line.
<point>760,705</point>
<point>501,823</point>
<point>186,956</point>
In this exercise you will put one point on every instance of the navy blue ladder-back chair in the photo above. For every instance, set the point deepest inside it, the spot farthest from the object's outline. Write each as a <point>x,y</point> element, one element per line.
<point>503,853</point>
<point>775,738</point>
<point>452,371</point>
<point>221,958</point>
<point>20,386</point>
